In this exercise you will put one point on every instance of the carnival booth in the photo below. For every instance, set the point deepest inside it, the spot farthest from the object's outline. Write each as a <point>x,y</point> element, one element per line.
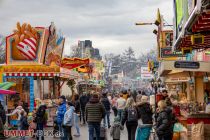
<point>33,60</point>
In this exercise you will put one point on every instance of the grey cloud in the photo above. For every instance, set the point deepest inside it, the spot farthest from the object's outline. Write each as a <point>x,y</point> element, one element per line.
<point>109,23</point>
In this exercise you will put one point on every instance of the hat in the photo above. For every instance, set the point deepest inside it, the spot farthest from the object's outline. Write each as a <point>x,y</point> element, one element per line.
<point>144,98</point>
<point>117,119</point>
<point>62,97</point>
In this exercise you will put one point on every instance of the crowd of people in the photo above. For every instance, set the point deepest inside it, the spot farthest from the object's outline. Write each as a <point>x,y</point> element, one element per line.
<point>129,109</point>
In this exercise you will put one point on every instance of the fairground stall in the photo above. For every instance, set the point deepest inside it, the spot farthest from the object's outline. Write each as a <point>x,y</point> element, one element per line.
<point>33,60</point>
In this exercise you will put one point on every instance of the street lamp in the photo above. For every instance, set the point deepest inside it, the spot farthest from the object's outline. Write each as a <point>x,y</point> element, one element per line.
<point>155,83</point>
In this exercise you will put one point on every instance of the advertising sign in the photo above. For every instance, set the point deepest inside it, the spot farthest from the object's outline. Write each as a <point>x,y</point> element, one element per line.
<point>26,45</point>
<point>55,47</point>
<point>71,63</point>
<point>145,74</point>
<point>167,52</point>
<point>187,64</point>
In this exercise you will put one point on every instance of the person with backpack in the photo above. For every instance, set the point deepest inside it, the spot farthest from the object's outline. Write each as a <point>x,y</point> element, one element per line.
<point>116,128</point>
<point>164,125</point>
<point>130,117</point>
<point>107,105</point>
<point>23,123</point>
<point>68,121</point>
<point>40,121</point>
<point>145,113</point>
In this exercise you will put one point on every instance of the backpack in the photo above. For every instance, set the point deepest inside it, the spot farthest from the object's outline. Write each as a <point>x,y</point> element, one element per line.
<point>132,115</point>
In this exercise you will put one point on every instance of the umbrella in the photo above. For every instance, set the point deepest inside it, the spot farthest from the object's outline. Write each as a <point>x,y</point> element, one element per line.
<point>6,85</point>
<point>2,91</point>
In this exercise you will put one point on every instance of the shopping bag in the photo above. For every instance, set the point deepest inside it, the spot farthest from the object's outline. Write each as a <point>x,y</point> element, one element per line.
<point>197,132</point>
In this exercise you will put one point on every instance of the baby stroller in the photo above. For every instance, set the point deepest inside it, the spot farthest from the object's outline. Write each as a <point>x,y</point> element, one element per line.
<point>55,126</point>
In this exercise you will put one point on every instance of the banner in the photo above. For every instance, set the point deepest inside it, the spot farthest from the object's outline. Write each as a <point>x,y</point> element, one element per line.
<point>55,47</point>
<point>71,63</point>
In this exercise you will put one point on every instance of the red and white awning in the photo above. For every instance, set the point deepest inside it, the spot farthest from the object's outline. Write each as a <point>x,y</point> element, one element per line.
<point>32,74</point>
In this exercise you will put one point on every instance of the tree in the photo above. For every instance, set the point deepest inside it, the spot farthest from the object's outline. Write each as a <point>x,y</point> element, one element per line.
<point>2,49</point>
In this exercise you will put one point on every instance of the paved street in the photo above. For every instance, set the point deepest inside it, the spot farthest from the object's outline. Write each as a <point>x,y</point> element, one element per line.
<point>84,133</point>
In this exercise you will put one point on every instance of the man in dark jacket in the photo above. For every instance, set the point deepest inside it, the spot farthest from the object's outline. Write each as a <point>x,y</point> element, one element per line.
<point>95,111</point>
<point>83,101</point>
<point>107,105</point>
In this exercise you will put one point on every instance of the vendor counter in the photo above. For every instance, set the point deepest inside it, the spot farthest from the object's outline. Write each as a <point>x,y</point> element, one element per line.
<point>189,120</point>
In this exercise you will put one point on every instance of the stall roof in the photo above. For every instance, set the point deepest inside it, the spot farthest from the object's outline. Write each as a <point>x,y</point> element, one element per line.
<point>168,67</point>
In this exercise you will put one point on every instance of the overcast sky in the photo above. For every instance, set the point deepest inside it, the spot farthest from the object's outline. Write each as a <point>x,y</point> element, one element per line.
<point>108,23</point>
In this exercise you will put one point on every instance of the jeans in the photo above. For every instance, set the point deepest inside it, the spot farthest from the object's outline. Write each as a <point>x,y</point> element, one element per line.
<point>67,133</point>
<point>39,128</point>
<point>82,116</point>
<point>94,127</point>
<point>107,119</point>
<point>61,131</point>
<point>131,128</point>
<point>76,123</point>
<point>120,114</point>
<point>115,111</point>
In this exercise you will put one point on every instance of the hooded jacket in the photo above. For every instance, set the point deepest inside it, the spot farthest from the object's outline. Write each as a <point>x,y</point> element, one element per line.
<point>165,122</point>
<point>145,112</point>
<point>69,117</point>
<point>95,111</point>
<point>115,130</point>
<point>106,103</point>
<point>60,112</point>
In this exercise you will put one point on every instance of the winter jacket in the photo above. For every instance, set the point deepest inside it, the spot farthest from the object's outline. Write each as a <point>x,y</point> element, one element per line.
<point>24,123</point>
<point>83,101</point>
<point>17,110</point>
<point>145,112</point>
<point>60,112</point>
<point>115,130</point>
<point>40,115</point>
<point>164,122</point>
<point>106,103</point>
<point>77,107</point>
<point>2,115</point>
<point>95,111</point>
<point>125,118</point>
<point>69,117</point>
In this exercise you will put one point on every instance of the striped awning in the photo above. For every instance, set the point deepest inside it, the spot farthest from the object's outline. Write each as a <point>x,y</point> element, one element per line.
<point>37,74</point>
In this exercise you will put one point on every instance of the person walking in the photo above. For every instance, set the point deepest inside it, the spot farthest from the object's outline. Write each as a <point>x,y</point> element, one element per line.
<point>40,121</point>
<point>116,128</point>
<point>164,126</point>
<point>23,123</point>
<point>145,113</point>
<point>60,113</point>
<point>68,121</point>
<point>105,101</point>
<point>77,115</point>
<point>130,117</point>
<point>83,101</point>
<point>121,102</point>
<point>114,104</point>
<point>95,111</point>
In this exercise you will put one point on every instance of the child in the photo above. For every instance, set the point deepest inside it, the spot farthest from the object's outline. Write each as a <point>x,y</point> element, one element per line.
<point>115,129</point>
<point>23,123</point>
